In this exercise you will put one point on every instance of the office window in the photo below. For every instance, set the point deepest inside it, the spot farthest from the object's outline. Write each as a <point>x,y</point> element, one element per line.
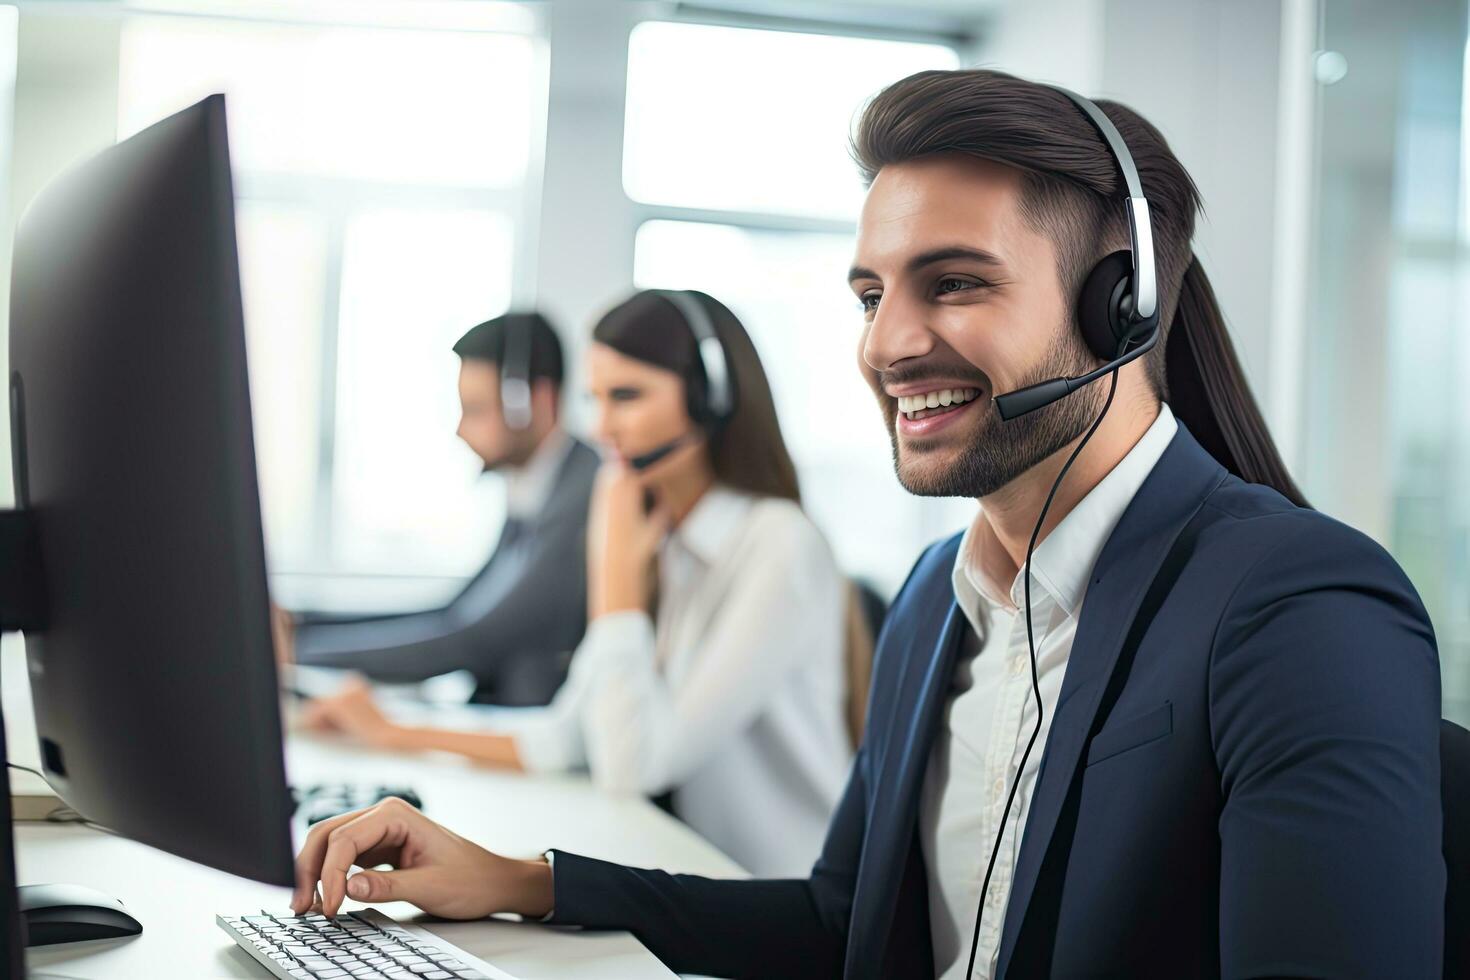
<point>753,120</point>
<point>379,179</point>
<point>767,151</point>
<point>283,255</point>
<point>404,480</point>
<point>413,107</point>
<point>1387,410</point>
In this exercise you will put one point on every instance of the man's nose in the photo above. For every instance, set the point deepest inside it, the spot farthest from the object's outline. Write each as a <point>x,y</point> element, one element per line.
<point>898,331</point>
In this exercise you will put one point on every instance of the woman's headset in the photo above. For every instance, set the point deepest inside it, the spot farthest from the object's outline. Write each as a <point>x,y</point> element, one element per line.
<point>712,407</point>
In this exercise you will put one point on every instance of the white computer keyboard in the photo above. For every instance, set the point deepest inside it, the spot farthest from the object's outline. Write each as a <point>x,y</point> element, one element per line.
<point>365,945</point>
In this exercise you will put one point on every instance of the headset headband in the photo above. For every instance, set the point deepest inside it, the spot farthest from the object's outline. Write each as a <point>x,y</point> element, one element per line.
<point>1143,286</point>
<point>515,376</point>
<point>711,351</point>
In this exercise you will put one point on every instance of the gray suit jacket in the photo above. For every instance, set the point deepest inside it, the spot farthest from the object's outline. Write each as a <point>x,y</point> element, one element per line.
<point>514,625</point>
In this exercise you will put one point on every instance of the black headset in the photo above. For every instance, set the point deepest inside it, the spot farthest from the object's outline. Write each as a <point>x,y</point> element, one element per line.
<point>716,404</point>
<point>515,375</point>
<point>1118,306</point>
<point>1118,314</point>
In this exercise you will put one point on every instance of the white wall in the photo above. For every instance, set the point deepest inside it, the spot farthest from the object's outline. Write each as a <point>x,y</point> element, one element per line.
<point>584,256</point>
<point>1057,41</point>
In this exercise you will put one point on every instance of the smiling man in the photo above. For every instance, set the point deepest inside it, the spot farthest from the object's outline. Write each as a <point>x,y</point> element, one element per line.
<point>1194,735</point>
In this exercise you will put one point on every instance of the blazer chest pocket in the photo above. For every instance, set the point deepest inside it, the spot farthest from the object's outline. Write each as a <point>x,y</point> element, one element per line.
<point>1130,734</point>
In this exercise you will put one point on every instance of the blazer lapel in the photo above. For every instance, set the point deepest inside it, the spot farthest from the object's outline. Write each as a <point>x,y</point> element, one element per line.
<point>1164,504</point>
<point>935,627</point>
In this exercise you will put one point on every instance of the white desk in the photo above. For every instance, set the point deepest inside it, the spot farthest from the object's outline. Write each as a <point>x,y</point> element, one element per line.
<point>177,900</point>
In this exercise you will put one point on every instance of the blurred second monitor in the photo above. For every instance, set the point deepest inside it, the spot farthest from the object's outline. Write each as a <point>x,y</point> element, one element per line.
<point>515,623</point>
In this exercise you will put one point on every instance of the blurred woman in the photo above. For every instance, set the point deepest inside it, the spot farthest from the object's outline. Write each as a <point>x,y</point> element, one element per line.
<point>722,662</point>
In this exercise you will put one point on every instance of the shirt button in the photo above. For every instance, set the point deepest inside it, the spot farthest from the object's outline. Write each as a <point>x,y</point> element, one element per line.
<point>1018,664</point>
<point>998,787</point>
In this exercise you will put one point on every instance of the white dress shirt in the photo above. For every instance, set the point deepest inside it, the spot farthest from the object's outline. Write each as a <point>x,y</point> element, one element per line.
<point>734,700</point>
<point>992,708</point>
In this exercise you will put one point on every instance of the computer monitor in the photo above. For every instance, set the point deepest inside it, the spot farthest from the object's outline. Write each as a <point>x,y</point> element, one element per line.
<point>154,681</point>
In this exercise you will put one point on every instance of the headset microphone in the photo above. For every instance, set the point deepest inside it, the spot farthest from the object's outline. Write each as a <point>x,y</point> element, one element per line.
<point>647,459</point>
<point>1016,403</point>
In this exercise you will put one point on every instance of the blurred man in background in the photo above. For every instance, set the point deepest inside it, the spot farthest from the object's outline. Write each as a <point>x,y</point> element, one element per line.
<point>515,623</point>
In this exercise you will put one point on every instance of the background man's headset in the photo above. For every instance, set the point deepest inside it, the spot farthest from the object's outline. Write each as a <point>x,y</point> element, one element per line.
<point>718,402</point>
<point>1118,313</point>
<point>515,375</point>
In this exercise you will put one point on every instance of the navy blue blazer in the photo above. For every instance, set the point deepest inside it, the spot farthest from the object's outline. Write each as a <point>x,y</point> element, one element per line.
<point>1241,780</point>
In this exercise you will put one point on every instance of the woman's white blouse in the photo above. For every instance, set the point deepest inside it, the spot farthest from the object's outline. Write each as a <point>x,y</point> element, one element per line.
<point>735,700</point>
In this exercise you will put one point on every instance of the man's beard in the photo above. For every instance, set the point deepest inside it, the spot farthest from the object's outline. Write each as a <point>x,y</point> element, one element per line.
<point>1002,450</point>
<point>522,447</point>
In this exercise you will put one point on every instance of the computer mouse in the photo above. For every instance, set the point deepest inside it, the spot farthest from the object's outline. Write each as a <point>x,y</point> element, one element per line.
<point>71,914</point>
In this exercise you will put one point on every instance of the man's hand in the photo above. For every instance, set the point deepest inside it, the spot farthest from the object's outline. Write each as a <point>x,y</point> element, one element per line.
<point>439,871</point>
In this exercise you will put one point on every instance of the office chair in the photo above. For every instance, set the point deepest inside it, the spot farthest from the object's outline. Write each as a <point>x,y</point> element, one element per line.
<point>866,610</point>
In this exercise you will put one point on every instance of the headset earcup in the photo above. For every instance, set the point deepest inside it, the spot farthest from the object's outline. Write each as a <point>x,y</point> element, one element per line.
<point>1098,304</point>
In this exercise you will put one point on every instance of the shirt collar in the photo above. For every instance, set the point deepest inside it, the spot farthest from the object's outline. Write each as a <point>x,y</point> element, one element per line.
<point>528,487</point>
<point>706,530</point>
<point>1062,563</point>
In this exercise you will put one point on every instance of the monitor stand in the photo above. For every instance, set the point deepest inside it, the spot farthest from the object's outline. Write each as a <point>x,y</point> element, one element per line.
<point>62,913</point>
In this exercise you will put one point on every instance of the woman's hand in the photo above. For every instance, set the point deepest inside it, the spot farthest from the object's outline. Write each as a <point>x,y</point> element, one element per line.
<point>351,711</point>
<point>283,635</point>
<point>622,541</point>
<point>439,871</point>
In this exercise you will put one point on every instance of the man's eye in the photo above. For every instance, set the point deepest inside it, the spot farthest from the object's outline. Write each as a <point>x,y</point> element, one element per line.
<point>624,394</point>
<point>869,302</point>
<point>951,285</point>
